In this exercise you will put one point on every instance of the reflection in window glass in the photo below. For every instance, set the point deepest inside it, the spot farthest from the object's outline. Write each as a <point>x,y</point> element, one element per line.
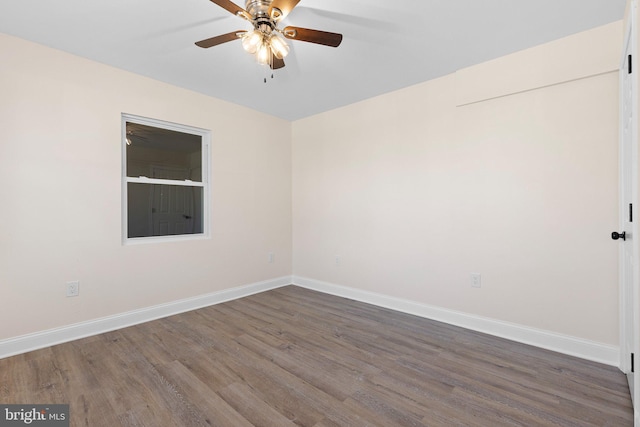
<point>162,153</point>
<point>163,210</point>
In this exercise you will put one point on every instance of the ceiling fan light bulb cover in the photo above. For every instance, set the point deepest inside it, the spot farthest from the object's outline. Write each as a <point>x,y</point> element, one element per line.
<point>279,47</point>
<point>251,41</point>
<point>263,54</point>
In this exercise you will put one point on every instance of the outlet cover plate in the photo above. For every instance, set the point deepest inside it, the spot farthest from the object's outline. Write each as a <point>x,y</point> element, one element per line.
<point>476,280</point>
<point>73,288</point>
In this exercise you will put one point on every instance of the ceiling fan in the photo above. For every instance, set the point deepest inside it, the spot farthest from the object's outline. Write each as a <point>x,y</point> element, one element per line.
<point>265,40</point>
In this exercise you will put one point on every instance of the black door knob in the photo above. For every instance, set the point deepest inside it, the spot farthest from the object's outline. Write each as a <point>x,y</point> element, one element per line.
<point>615,235</point>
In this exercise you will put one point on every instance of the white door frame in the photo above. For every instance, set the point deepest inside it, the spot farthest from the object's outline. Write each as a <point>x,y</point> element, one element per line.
<point>630,291</point>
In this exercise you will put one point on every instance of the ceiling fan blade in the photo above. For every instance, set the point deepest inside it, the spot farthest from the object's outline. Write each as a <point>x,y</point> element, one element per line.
<point>233,8</point>
<point>276,63</point>
<point>214,41</point>
<point>281,8</point>
<point>313,36</point>
<point>302,12</point>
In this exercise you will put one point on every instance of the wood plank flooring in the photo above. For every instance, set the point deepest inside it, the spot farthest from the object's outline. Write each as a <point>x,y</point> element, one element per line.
<point>294,357</point>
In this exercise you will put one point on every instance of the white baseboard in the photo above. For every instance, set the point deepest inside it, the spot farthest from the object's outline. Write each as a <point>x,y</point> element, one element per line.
<point>573,346</point>
<point>585,349</point>
<point>38,340</point>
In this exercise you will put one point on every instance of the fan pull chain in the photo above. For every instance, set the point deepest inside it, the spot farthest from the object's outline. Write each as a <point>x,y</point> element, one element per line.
<point>265,79</point>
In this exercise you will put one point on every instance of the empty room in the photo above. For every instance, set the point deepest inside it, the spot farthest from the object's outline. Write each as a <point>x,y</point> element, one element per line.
<point>319,213</point>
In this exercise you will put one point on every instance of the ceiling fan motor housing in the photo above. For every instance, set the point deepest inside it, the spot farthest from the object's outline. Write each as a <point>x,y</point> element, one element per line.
<point>260,9</point>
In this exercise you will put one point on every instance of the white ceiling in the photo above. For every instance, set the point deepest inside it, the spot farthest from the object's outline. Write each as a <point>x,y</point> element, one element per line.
<point>387,45</point>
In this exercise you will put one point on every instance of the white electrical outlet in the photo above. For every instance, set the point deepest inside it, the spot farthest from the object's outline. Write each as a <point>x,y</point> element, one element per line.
<point>476,280</point>
<point>73,288</point>
<point>271,258</point>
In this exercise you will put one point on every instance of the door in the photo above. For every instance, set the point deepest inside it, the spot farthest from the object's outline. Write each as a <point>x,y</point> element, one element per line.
<point>628,234</point>
<point>172,206</point>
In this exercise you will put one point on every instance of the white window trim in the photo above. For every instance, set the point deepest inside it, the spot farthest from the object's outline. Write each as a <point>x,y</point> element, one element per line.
<point>205,184</point>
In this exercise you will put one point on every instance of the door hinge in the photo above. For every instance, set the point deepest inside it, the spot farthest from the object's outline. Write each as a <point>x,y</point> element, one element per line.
<point>632,367</point>
<point>630,68</point>
<point>630,212</point>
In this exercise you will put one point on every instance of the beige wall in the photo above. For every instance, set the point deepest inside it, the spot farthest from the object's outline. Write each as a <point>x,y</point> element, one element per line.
<point>491,170</point>
<point>60,164</point>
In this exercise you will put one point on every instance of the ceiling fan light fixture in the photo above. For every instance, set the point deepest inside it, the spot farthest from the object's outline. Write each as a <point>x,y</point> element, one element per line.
<point>279,47</point>
<point>252,40</point>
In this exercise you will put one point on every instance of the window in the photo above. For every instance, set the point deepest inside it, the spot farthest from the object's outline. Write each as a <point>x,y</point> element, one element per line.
<point>164,180</point>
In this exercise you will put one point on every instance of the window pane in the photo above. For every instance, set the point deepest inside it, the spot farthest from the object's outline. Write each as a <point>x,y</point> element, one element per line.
<point>161,153</point>
<point>164,210</point>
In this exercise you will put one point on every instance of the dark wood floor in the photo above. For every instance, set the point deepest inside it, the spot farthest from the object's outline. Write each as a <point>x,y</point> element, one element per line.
<point>292,356</point>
